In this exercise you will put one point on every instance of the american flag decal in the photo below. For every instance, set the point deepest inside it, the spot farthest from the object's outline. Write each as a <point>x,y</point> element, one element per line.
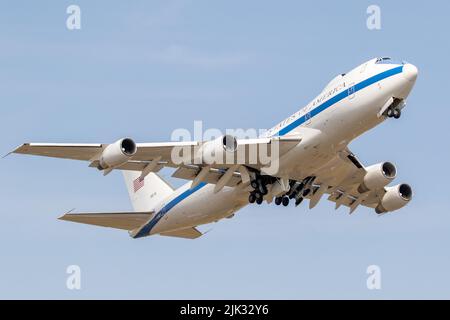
<point>138,183</point>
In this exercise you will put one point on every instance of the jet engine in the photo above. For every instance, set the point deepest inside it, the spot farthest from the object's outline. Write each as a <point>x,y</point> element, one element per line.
<point>395,198</point>
<point>377,176</point>
<point>215,150</point>
<point>117,153</point>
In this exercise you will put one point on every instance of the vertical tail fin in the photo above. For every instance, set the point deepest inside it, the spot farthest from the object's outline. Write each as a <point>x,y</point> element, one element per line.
<point>145,194</point>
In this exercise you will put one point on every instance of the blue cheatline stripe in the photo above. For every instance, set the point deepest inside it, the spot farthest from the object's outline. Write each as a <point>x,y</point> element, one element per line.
<point>145,230</point>
<point>340,96</point>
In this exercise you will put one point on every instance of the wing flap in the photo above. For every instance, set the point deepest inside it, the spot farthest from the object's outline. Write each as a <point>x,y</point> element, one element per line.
<point>139,166</point>
<point>117,220</point>
<point>214,175</point>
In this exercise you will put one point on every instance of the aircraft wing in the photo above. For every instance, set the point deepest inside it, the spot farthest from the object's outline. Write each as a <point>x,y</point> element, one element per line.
<point>88,152</point>
<point>151,157</point>
<point>340,179</point>
<point>146,152</point>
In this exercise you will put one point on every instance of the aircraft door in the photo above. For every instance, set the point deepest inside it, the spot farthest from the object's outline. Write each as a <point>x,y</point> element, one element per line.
<point>351,91</point>
<point>308,115</point>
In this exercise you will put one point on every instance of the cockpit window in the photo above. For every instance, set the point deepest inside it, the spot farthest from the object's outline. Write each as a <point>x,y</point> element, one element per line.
<point>387,60</point>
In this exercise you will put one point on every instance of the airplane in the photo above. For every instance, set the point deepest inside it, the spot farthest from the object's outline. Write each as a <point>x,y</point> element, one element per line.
<point>313,160</point>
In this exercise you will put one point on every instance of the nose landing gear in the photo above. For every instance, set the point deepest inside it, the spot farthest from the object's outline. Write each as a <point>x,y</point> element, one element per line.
<point>395,113</point>
<point>394,110</point>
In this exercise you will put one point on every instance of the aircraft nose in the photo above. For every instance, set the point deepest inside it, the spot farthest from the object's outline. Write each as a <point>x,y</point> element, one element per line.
<point>410,72</point>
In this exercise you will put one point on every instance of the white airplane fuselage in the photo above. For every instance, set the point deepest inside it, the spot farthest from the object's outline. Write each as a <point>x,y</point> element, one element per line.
<point>350,105</point>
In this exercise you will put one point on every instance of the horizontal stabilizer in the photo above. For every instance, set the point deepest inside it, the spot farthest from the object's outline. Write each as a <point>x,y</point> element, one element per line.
<point>117,220</point>
<point>189,233</point>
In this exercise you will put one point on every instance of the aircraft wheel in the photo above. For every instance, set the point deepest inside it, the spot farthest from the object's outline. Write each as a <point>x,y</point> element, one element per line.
<point>397,114</point>
<point>298,201</point>
<point>259,181</point>
<point>306,192</point>
<point>285,201</point>
<point>251,198</point>
<point>278,200</point>
<point>259,201</point>
<point>263,189</point>
<point>254,184</point>
<point>258,195</point>
<point>390,113</point>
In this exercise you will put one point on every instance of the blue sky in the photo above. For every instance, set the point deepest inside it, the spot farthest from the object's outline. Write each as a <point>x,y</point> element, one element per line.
<point>145,68</point>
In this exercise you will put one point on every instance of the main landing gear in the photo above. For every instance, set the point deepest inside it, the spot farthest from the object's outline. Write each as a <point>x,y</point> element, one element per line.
<point>259,186</point>
<point>282,200</point>
<point>298,191</point>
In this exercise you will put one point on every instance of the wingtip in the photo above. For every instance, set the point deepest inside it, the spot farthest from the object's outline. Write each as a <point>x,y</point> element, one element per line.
<point>15,149</point>
<point>3,157</point>
<point>68,212</point>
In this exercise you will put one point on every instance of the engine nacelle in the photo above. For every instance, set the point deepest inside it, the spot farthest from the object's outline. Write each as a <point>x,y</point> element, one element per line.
<point>378,176</point>
<point>395,198</point>
<point>117,153</point>
<point>215,151</point>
